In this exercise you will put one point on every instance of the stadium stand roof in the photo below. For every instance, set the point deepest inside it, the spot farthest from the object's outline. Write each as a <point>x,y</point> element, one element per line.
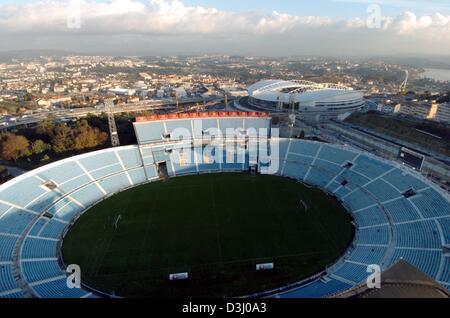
<point>402,280</point>
<point>201,115</point>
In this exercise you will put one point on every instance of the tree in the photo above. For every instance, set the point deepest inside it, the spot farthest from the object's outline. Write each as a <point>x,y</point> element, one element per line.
<point>13,147</point>
<point>88,137</point>
<point>62,139</point>
<point>46,127</point>
<point>39,146</point>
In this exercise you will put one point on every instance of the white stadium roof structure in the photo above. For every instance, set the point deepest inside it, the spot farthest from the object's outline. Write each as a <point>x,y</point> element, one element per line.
<point>309,97</point>
<point>398,214</point>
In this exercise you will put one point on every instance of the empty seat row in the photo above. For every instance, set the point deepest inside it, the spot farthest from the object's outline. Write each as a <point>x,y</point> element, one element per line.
<point>317,289</point>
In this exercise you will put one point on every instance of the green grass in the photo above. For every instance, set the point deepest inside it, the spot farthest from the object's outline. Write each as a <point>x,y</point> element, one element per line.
<point>217,227</point>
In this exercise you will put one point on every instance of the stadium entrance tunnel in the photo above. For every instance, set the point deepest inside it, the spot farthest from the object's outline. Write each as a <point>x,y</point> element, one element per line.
<point>208,235</point>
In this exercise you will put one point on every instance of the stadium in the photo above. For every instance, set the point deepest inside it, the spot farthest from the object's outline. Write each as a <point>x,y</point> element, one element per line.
<point>314,101</point>
<point>391,214</point>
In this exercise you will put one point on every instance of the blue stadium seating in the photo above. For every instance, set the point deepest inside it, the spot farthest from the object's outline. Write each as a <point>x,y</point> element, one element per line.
<point>7,244</point>
<point>283,145</point>
<point>333,186</point>
<point>401,210</point>
<point>431,204</point>
<point>15,221</point>
<point>115,183</point>
<point>53,229</point>
<point>368,254</point>
<point>374,235</point>
<point>7,281</point>
<point>44,201</point>
<point>107,171</point>
<point>99,161</point>
<point>13,295</point>
<point>404,181</point>
<point>414,220</point>
<point>332,169</point>
<point>445,225</point>
<point>422,234</point>
<point>445,277</point>
<point>62,173</point>
<point>354,179</point>
<point>150,131</point>
<point>426,260</point>
<point>68,211</point>
<point>370,167</point>
<point>37,227</point>
<point>336,155</point>
<point>257,123</point>
<point>295,170</point>
<point>382,191</point>
<point>39,270</point>
<point>304,148</point>
<point>137,176</point>
<point>228,126</point>
<point>317,289</point>
<point>58,289</point>
<point>359,200</point>
<point>4,208</point>
<point>39,248</point>
<point>130,157</point>
<point>179,128</point>
<point>319,177</point>
<point>88,195</point>
<point>151,172</point>
<point>342,191</point>
<point>352,272</point>
<point>74,184</point>
<point>370,217</point>
<point>31,190</point>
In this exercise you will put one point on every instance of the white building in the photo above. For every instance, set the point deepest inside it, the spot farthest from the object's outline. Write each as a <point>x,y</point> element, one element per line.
<point>311,100</point>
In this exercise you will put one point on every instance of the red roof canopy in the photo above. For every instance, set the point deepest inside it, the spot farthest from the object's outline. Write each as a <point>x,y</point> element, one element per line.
<point>201,115</point>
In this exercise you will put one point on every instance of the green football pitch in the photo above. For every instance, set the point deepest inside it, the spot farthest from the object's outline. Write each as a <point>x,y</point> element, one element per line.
<point>216,227</point>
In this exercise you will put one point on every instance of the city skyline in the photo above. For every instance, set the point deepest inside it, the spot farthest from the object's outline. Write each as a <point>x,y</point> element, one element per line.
<point>325,27</point>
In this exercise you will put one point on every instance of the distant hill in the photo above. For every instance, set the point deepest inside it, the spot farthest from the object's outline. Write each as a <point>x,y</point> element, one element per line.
<point>8,56</point>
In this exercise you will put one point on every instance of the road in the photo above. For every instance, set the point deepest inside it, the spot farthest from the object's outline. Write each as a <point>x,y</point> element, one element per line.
<point>73,113</point>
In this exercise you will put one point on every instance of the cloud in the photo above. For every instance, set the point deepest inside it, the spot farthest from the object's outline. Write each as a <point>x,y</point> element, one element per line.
<point>157,17</point>
<point>185,27</point>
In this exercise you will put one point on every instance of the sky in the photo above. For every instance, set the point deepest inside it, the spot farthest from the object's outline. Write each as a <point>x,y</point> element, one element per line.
<point>245,27</point>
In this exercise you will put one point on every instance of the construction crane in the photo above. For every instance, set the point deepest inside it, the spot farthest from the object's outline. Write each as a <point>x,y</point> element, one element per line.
<point>292,103</point>
<point>226,99</point>
<point>292,116</point>
<point>109,105</point>
<point>280,102</point>
<point>404,83</point>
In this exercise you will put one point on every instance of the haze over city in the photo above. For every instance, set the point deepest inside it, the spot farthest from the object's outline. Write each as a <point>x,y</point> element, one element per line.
<point>269,28</point>
<point>226,154</point>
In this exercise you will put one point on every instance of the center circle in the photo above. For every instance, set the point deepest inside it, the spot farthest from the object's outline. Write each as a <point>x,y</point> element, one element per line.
<point>216,228</point>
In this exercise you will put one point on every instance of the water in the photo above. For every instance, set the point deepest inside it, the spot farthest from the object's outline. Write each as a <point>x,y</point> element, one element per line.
<point>436,74</point>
